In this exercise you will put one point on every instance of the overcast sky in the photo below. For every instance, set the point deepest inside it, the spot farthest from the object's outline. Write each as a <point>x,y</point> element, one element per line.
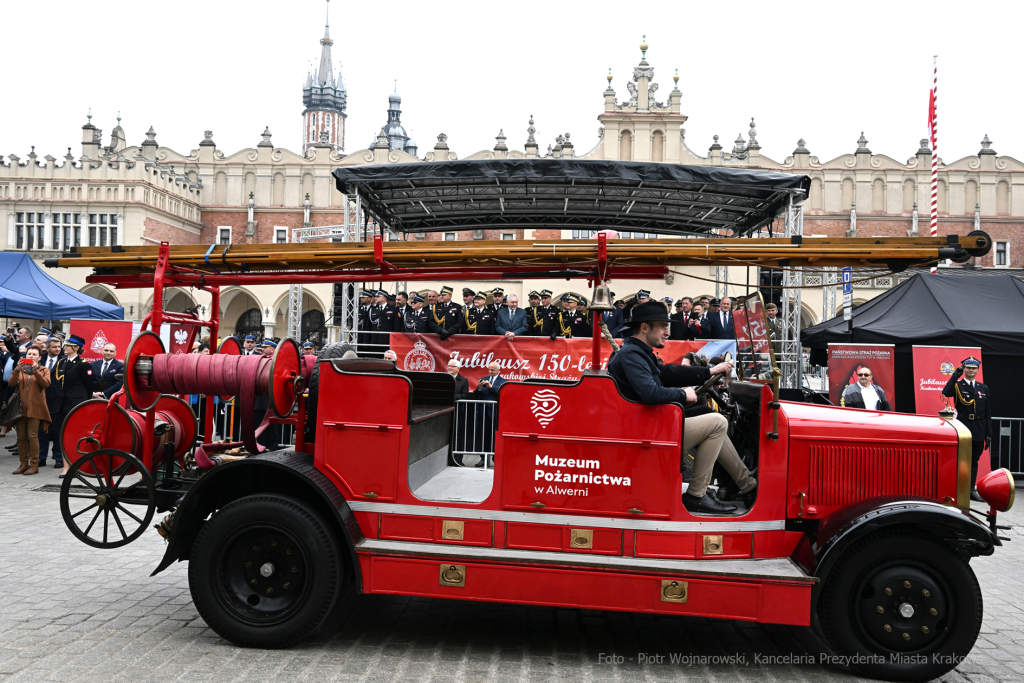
<point>817,70</point>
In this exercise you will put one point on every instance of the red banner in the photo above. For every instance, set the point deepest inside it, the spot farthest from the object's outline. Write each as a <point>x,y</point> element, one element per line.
<point>182,338</point>
<point>96,333</point>
<point>844,360</point>
<point>526,357</point>
<point>933,366</point>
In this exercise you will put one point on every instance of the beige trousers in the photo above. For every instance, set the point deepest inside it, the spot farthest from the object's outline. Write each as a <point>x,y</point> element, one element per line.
<point>707,436</point>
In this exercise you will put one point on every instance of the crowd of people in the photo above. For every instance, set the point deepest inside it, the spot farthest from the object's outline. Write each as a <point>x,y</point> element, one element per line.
<point>47,376</point>
<point>495,313</point>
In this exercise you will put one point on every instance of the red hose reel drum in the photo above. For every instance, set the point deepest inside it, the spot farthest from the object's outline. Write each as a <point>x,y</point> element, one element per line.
<point>83,431</point>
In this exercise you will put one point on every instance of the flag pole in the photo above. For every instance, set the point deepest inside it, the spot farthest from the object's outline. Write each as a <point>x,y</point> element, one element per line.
<point>934,135</point>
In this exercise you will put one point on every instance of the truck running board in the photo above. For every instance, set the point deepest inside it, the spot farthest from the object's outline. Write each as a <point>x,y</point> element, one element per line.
<point>762,590</point>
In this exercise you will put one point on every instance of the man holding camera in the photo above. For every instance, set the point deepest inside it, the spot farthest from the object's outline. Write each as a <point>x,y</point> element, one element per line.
<point>973,409</point>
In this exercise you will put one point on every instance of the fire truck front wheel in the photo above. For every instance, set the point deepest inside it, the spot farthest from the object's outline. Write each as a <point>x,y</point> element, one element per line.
<point>265,571</point>
<point>901,607</point>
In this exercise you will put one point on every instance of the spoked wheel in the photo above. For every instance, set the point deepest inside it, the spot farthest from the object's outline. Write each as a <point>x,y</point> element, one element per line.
<point>902,607</point>
<point>107,482</point>
<point>265,571</point>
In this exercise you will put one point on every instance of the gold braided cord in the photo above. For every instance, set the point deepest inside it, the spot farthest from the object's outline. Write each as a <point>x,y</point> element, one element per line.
<point>961,396</point>
<point>566,331</point>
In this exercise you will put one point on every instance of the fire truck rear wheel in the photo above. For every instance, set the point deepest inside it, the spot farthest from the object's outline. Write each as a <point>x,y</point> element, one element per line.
<point>333,351</point>
<point>265,571</point>
<point>902,607</point>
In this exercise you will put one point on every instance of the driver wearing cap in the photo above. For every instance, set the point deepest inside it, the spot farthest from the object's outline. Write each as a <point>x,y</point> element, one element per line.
<point>641,377</point>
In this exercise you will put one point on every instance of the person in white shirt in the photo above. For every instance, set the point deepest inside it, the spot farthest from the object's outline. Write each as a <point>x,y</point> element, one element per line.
<point>864,394</point>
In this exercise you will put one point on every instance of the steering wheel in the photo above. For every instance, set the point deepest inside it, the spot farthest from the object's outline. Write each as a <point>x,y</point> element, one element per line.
<point>714,378</point>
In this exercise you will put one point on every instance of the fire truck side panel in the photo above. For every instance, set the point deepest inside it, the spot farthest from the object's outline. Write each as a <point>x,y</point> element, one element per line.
<point>583,448</point>
<point>766,601</point>
<point>360,442</point>
<point>840,456</point>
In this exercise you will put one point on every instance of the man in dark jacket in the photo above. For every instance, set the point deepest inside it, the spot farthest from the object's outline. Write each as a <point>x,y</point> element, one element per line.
<point>415,319</point>
<point>973,404</point>
<point>864,394</point>
<point>638,374</point>
<point>478,319</point>
<point>104,373</point>
<point>76,379</point>
<point>445,316</point>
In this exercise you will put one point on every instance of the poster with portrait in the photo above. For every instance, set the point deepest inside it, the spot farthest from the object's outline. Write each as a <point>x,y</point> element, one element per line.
<point>933,366</point>
<point>872,364</point>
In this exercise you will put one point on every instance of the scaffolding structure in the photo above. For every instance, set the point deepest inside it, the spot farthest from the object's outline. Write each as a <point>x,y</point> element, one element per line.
<point>791,363</point>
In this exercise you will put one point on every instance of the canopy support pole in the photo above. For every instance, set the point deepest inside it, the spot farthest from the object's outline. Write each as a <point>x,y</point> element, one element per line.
<point>792,282</point>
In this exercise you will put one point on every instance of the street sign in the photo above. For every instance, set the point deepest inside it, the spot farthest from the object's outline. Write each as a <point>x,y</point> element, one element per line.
<point>847,293</point>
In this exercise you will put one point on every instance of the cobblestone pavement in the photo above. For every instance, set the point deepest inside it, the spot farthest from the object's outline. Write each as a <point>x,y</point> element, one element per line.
<point>73,613</point>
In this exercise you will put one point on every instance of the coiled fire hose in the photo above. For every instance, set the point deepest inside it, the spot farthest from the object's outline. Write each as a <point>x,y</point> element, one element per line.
<point>150,372</point>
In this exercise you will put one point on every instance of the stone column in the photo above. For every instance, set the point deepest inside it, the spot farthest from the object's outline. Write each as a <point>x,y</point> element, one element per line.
<point>120,230</point>
<point>12,232</point>
<point>48,231</point>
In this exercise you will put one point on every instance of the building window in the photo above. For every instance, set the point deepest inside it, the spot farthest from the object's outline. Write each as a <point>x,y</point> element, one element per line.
<point>224,234</point>
<point>583,234</point>
<point>66,230</point>
<point>280,235</point>
<point>30,230</point>
<point>1001,259</point>
<point>102,229</point>
<point>508,236</point>
<point>449,237</point>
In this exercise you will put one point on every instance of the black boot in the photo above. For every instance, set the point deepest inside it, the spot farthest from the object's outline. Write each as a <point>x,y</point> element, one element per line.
<point>706,505</point>
<point>974,482</point>
<point>748,498</point>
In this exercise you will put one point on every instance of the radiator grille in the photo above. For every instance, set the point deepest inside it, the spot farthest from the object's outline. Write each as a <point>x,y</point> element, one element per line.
<point>844,474</point>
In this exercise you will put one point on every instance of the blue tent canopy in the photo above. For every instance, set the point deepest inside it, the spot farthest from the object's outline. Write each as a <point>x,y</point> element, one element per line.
<point>27,292</point>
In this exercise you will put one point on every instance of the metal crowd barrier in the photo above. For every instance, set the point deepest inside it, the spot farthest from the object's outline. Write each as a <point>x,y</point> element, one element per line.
<point>1008,444</point>
<point>473,433</point>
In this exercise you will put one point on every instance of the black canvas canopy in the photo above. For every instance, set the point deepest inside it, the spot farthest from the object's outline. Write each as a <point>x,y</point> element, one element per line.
<point>570,193</point>
<point>945,309</point>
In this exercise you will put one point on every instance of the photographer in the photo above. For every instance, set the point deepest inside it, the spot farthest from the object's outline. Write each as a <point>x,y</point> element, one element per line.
<point>697,324</point>
<point>30,378</point>
<point>9,355</point>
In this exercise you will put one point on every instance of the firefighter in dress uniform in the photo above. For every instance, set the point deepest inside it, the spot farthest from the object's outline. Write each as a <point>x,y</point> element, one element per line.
<point>445,316</point>
<point>76,381</point>
<point>534,316</point>
<point>382,317</point>
<point>973,404</point>
<point>497,301</point>
<point>365,304</point>
<point>415,319</point>
<point>571,322</point>
<point>478,319</point>
<point>548,313</point>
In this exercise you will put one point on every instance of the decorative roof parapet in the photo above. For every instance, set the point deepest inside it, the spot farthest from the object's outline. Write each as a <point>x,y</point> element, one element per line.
<point>986,146</point>
<point>207,139</point>
<point>862,144</point>
<point>500,145</point>
<point>265,142</point>
<point>801,147</point>
<point>753,136</point>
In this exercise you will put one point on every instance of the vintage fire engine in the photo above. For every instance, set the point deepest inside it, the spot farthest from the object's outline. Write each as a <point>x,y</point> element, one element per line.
<point>861,525</point>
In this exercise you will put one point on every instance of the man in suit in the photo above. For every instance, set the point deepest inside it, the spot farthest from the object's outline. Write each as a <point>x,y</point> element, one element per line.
<point>415,319</point>
<point>680,329</point>
<point>612,318</point>
<point>402,308</point>
<point>973,404</point>
<point>75,376</point>
<point>720,319</point>
<point>864,394</point>
<point>444,316</point>
<point>478,319</point>
<point>54,397</point>
<point>104,373</point>
<point>698,324</point>
<point>486,415</point>
<point>512,321</point>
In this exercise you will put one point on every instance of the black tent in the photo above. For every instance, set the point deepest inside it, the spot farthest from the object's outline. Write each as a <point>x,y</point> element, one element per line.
<point>946,309</point>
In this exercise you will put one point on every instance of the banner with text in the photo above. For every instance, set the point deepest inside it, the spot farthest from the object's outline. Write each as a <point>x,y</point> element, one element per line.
<point>933,366</point>
<point>526,357</point>
<point>844,360</point>
<point>97,333</point>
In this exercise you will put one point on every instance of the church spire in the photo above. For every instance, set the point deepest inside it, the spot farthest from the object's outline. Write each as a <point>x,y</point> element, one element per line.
<point>326,71</point>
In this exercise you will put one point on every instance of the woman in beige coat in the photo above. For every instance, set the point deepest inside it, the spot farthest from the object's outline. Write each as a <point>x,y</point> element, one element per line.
<point>31,381</point>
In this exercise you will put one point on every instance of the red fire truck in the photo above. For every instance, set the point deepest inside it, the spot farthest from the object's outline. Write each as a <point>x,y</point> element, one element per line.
<point>861,526</point>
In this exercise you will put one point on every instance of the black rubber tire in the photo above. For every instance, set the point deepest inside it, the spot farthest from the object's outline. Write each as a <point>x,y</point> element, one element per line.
<point>333,351</point>
<point>247,528</point>
<point>883,562</point>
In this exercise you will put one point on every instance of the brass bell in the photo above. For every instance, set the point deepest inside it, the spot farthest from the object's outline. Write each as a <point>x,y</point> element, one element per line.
<point>602,299</point>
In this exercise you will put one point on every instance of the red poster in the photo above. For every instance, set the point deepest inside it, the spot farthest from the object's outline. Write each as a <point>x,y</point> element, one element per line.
<point>182,337</point>
<point>96,333</point>
<point>845,360</point>
<point>524,358</point>
<point>933,366</point>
